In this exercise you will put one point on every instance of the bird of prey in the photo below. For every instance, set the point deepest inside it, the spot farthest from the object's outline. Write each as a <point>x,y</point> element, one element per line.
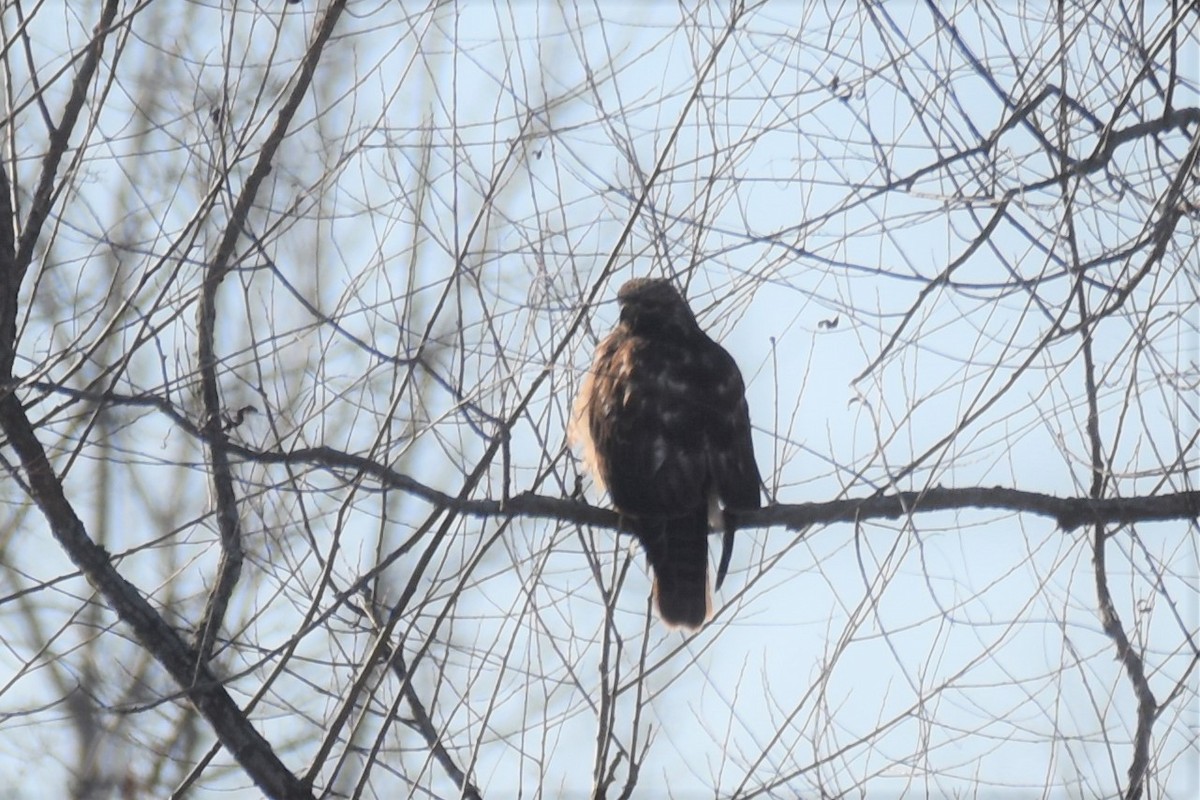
<point>662,422</point>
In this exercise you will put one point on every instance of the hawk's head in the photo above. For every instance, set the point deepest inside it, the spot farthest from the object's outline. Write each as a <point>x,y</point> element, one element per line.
<point>654,306</point>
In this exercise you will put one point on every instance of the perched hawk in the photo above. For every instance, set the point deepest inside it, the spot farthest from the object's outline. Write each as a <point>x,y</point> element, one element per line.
<point>663,423</point>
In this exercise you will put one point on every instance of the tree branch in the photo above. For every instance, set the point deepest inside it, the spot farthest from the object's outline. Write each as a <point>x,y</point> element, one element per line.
<point>228,522</point>
<point>1068,513</point>
<point>200,685</point>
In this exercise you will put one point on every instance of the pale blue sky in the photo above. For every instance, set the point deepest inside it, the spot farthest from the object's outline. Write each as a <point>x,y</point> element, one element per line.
<point>957,653</point>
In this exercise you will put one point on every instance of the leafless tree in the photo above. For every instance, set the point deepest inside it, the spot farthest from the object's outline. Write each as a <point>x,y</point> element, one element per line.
<point>294,300</point>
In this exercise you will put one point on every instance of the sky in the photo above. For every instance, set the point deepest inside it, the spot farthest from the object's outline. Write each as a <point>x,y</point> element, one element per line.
<point>816,188</point>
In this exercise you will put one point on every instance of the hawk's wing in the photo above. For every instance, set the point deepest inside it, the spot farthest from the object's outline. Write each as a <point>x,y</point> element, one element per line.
<point>730,446</point>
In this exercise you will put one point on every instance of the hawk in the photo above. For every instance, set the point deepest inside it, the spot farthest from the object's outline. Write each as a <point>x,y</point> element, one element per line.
<point>662,422</point>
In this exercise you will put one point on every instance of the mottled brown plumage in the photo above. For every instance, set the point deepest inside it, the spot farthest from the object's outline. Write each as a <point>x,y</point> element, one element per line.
<point>663,424</point>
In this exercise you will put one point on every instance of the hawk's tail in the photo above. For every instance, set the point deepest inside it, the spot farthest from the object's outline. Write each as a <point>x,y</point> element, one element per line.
<point>677,549</point>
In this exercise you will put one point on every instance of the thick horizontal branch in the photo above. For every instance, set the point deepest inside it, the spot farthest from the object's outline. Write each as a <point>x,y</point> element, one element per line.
<point>1067,512</point>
